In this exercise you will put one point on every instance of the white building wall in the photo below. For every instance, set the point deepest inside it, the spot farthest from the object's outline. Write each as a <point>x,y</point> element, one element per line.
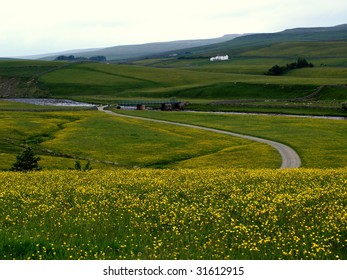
<point>219,57</point>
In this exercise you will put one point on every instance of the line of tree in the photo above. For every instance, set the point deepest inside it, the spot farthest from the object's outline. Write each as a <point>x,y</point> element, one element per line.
<point>279,70</point>
<point>80,58</point>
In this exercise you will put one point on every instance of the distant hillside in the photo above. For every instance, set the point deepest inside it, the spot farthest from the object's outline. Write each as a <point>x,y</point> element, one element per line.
<point>40,56</point>
<point>252,42</point>
<point>142,50</point>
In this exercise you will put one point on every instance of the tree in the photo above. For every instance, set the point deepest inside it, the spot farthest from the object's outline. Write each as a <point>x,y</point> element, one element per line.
<point>26,161</point>
<point>65,57</point>
<point>302,62</point>
<point>80,58</point>
<point>275,71</point>
<point>98,58</point>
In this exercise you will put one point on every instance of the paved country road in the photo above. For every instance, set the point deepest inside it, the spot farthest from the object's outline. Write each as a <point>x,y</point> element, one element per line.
<point>290,159</point>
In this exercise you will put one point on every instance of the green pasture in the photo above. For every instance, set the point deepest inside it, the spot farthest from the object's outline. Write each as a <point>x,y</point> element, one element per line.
<point>327,49</point>
<point>236,90</point>
<point>120,81</point>
<point>273,107</point>
<point>140,143</point>
<point>60,138</point>
<point>29,128</point>
<point>323,68</point>
<point>196,80</point>
<point>300,49</point>
<point>321,143</point>
<point>17,106</point>
<point>27,68</point>
<point>237,65</point>
<point>332,93</point>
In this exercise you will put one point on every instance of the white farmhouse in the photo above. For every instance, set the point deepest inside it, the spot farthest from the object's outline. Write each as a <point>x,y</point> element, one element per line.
<point>219,57</point>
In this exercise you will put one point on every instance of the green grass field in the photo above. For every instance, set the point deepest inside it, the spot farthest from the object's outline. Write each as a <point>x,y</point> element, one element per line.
<point>198,81</point>
<point>59,138</point>
<point>327,49</point>
<point>62,137</point>
<point>201,82</point>
<point>27,68</point>
<point>320,142</point>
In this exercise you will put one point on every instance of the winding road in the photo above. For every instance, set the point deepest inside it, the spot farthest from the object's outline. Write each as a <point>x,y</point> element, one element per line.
<point>290,159</point>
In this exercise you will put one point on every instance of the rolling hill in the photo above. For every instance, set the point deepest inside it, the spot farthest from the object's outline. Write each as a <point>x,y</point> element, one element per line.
<point>142,50</point>
<point>310,38</point>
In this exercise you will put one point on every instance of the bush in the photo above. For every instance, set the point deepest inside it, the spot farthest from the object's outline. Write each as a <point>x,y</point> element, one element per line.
<point>79,167</point>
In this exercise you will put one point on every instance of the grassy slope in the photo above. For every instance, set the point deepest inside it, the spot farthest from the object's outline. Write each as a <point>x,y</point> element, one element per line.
<point>120,80</point>
<point>252,55</point>
<point>29,128</point>
<point>27,68</point>
<point>310,50</point>
<point>267,40</point>
<point>124,81</point>
<point>19,78</point>
<point>320,143</point>
<point>203,82</point>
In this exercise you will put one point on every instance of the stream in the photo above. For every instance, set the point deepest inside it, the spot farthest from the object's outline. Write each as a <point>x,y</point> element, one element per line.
<point>50,102</point>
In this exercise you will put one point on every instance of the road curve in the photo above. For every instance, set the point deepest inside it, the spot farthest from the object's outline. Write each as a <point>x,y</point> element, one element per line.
<point>290,159</point>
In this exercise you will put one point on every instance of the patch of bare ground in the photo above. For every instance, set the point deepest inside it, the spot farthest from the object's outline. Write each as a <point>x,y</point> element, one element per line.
<point>11,87</point>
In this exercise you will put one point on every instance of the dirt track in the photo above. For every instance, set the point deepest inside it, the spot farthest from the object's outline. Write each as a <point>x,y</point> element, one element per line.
<point>290,159</point>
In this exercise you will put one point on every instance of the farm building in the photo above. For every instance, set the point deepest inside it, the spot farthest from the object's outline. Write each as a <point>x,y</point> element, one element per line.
<point>219,57</point>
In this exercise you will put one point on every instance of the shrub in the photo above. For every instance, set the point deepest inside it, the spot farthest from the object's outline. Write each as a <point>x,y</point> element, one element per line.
<point>79,167</point>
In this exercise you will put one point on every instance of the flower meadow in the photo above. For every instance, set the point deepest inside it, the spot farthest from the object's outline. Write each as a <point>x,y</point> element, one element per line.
<point>174,214</point>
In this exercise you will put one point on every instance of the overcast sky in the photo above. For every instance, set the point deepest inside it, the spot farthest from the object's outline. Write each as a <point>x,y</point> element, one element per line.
<point>30,27</point>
